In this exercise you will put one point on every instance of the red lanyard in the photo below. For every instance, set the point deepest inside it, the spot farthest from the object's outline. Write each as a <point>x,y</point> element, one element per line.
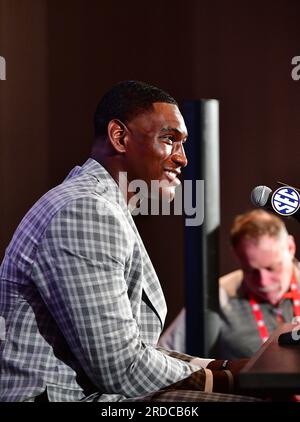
<point>293,294</point>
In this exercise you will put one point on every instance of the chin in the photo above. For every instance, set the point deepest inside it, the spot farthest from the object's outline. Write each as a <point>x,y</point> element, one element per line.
<point>167,194</point>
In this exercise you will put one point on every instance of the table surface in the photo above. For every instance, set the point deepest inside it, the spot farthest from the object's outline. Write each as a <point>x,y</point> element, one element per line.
<point>274,366</point>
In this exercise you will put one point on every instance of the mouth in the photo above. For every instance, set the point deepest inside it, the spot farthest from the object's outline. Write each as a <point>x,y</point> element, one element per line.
<point>269,289</point>
<point>172,176</point>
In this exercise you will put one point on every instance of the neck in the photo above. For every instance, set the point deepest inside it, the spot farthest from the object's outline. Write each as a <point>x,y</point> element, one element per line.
<point>114,165</point>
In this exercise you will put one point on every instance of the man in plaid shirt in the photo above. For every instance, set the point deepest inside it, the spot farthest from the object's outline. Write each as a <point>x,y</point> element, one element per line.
<point>82,304</point>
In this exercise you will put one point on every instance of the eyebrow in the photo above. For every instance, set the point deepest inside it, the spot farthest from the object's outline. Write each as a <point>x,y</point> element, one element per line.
<point>174,129</point>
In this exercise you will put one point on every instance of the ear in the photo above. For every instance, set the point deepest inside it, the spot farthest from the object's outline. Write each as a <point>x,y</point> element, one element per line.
<point>291,245</point>
<point>117,135</point>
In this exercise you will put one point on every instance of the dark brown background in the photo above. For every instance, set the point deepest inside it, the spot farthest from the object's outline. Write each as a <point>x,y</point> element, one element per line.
<point>63,55</point>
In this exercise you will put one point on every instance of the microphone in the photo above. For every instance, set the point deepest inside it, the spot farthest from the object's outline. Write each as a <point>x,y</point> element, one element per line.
<point>285,201</point>
<point>289,338</point>
<point>261,197</point>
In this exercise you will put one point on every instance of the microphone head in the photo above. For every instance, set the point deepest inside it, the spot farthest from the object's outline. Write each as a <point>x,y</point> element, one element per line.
<point>260,195</point>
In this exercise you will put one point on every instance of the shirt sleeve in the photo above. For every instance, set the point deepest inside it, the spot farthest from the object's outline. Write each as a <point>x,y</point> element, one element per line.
<point>193,360</point>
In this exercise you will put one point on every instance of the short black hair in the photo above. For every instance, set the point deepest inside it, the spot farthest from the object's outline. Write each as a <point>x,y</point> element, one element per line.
<point>126,100</point>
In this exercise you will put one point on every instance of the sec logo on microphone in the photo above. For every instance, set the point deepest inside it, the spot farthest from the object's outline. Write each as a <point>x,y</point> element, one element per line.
<point>285,201</point>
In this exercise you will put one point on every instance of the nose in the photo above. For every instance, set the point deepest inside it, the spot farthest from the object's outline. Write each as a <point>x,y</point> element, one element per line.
<point>264,277</point>
<point>178,155</point>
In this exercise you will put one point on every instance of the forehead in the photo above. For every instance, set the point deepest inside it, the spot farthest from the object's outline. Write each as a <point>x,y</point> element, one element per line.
<point>266,247</point>
<point>161,116</point>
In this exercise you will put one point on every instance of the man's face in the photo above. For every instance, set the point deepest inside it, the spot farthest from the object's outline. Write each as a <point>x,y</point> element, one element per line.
<point>155,147</point>
<point>267,265</point>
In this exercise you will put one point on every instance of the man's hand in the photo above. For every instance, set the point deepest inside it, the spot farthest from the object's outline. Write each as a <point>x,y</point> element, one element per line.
<point>233,366</point>
<point>225,374</point>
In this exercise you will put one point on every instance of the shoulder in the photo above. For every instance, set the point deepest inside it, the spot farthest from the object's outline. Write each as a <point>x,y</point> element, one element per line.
<point>229,285</point>
<point>92,214</point>
<point>88,228</point>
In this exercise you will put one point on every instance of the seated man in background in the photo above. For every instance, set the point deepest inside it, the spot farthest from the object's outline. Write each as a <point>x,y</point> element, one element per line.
<point>255,299</point>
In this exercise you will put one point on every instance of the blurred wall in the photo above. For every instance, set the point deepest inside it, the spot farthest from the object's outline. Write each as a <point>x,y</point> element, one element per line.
<point>63,55</point>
